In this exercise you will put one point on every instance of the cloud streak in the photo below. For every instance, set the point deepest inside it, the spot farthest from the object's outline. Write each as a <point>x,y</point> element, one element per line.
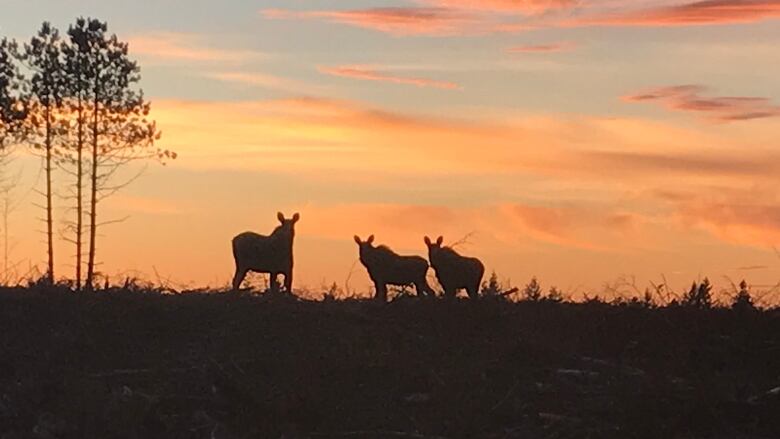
<point>178,47</point>
<point>367,73</point>
<point>542,48</point>
<point>506,6</point>
<point>397,21</point>
<point>734,216</point>
<point>432,17</point>
<point>708,12</point>
<point>689,98</point>
<point>263,80</point>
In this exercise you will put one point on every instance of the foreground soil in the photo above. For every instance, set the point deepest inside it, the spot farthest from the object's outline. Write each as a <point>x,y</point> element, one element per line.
<point>124,364</point>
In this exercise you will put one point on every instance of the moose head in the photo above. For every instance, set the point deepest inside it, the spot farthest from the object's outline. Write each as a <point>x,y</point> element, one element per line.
<point>366,245</point>
<point>434,245</point>
<point>287,225</point>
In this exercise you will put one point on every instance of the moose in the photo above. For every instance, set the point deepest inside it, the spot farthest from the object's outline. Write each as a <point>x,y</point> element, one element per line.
<point>454,271</point>
<point>271,254</point>
<point>385,267</point>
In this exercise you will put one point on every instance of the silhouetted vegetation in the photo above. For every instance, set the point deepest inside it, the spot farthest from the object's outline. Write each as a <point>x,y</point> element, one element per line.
<point>533,291</point>
<point>743,300</point>
<point>12,110</point>
<point>73,101</point>
<point>132,361</point>
<point>699,296</point>
<point>47,120</point>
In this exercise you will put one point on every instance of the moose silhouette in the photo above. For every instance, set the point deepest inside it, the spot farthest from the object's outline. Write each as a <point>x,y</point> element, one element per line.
<point>454,271</point>
<point>385,267</point>
<point>271,254</point>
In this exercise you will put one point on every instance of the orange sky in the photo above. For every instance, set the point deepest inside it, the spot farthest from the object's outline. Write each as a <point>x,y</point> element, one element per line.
<point>580,142</point>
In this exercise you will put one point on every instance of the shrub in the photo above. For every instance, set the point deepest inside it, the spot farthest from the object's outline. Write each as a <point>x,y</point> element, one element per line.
<point>742,299</point>
<point>492,287</point>
<point>699,296</point>
<point>554,295</point>
<point>533,291</point>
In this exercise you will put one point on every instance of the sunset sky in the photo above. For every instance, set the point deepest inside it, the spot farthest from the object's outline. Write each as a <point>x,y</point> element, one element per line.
<point>579,141</point>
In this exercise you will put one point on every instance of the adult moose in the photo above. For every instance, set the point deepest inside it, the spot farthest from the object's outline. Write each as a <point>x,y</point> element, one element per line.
<point>385,267</point>
<point>454,271</point>
<point>271,254</point>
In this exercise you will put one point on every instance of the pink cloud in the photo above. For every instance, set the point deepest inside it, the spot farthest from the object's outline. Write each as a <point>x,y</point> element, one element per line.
<point>567,226</point>
<point>433,18</point>
<point>398,21</point>
<point>688,98</point>
<point>744,217</point>
<point>366,73</point>
<point>506,6</point>
<point>708,12</point>
<point>541,48</point>
<point>168,46</point>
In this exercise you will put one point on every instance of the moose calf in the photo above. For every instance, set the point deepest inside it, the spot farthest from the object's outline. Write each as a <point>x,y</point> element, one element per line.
<point>385,267</point>
<point>453,270</point>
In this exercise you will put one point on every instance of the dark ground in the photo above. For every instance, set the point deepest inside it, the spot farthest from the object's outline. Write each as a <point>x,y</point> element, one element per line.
<point>133,365</point>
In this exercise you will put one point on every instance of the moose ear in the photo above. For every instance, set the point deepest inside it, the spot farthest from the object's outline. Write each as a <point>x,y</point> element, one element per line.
<point>440,241</point>
<point>370,239</point>
<point>280,216</point>
<point>296,217</point>
<point>427,241</point>
<point>357,240</point>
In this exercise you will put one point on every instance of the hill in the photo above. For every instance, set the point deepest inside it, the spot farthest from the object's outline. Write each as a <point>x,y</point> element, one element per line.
<point>134,364</point>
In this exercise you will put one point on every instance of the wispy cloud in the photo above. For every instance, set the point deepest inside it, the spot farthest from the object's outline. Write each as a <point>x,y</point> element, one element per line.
<point>542,48</point>
<point>708,12</point>
<point>264,80</point>
<point>689,98</point>
<point>505,6</point>
<point>602,149</point>
<point>739,217</point>
<point>178,47</point>
<point>398,21</point>
<point>368,73</point>
<point>509,223</point>
<point>680,163</point>
<point>433,17</point>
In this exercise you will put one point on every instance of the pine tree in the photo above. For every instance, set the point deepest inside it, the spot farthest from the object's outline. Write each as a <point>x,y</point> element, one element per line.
<point>554,295</point>
<point>43,56</point>
<point>533,291</point>
<point>13,114</point>
<point>76,65</point>
<point>12,108</point>
<point>743,300</point>
<point>118,127</point>
<point>492,287</point>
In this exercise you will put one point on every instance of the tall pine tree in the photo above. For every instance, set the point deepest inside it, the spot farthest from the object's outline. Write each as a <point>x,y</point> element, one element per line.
<point>43,56</point>
<point>118,127</point>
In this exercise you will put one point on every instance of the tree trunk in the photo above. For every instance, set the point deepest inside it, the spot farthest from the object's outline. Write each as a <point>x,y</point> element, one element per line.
<point>79,177</point>
<point>49,219</point>
<point>93,195</point>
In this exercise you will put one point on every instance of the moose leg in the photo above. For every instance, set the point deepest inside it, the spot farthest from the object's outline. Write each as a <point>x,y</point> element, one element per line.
<point>381,292</point>
<point>288,282</point>
<point>239,277</point>
<point>449,292</point>
<point>423,289</point>
<point>473,291</point>
<point>274,282</point>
